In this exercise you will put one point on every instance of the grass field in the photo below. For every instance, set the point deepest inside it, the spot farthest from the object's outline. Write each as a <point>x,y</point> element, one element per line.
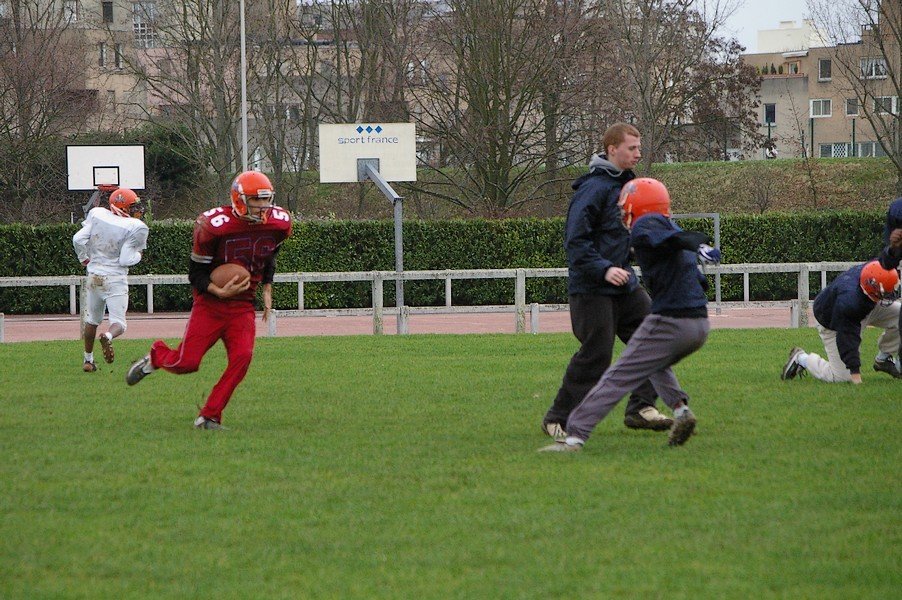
<point>406,467</point>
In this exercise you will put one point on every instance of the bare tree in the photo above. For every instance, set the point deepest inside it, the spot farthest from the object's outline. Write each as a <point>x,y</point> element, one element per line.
<point>580,95</point>
<point>799,141</point>
<point>664,46</point>
<point>284,91</point>
<point>190,73</point>
<point>42,97</point>
<point>482,100</point>
<point>722,114</point>
<point>866,51</point>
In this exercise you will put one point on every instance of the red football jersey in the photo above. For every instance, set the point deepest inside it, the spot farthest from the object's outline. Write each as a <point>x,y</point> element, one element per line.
<point>221,237</point>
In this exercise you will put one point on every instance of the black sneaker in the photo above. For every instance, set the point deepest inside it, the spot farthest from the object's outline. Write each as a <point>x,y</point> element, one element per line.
<point>887,365</point>
<point>683,427</point>
<point>648,418</point>
<point>205,423</point>
<point>792,368</point>
<point>136,371</point>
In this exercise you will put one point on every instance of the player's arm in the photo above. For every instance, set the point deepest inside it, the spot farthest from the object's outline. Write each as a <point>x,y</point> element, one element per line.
<point>80,241</point>
<point>848,342</point>
<point>199,274</point>
<point>579,241</point>
<point>132,249</point>
<point>203,249</point>
<point>269,273</point>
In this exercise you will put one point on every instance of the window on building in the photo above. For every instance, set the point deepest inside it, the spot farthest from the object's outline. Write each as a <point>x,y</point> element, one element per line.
<point>870,149</point>
<point>111,98</point>
<point>418,71</point>
<point>794,68</point>
<point>821,108</point>
<point>851,107</point>
<point>885,104</point>
<point>824,69</point>
<point>107,9</point>
<point>770,113</point>
<point>143,16</point>
<point>873,68</point>
<point>101,54</point>
<point>70,11</point>
<point>118,56</point>
<point>836,150</point>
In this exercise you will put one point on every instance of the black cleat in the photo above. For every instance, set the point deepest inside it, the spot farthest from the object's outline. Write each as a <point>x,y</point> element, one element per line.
<point>887,365</point>
<point>792,368</point>
<point>683,427</point>
<point>136,371</point>
<point>106,345</point>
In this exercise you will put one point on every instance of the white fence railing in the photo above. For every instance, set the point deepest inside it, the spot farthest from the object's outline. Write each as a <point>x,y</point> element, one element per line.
<point>798,305</point>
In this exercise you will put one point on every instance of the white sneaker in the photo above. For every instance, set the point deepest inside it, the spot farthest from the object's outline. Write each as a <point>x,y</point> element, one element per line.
<point>554,431</point>
<point>564,446</point>
<point>648,418</point>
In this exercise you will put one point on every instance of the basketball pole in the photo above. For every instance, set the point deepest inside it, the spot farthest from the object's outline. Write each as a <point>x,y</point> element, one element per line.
<point>368,168</point>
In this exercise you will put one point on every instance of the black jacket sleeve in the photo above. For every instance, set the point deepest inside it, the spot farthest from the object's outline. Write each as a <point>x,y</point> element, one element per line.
<point>689,240</point>
<point>199,275</point>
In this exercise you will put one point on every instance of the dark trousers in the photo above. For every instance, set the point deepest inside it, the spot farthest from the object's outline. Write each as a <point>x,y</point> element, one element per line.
<point>595,321</point>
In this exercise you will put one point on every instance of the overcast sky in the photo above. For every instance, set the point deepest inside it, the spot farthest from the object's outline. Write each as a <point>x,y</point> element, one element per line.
<point>753,15</point>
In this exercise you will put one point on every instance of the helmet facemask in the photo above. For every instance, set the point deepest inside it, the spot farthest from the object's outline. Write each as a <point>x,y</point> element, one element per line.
<point>252,197</point>
<point>254,208</point>
<point>125,203</point>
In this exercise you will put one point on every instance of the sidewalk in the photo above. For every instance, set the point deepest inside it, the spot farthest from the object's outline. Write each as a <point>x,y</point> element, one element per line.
<point>28,328</point>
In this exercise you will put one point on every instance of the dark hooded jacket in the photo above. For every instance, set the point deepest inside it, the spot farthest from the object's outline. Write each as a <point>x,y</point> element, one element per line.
<point>842,306</point>
<point>893,219</point>
<point>596,238</point>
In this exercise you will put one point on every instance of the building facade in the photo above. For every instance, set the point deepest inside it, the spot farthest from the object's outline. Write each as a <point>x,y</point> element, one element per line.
<point>822,101</point>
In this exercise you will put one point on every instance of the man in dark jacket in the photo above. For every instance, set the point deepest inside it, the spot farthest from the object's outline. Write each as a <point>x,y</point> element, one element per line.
<point>861,296</point>
<point>678,323</point>
<point>604,294</point>
<point>889,258</point>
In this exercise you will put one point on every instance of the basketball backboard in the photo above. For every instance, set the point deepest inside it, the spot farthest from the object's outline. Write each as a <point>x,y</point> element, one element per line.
<point>393,145</point>
<point>90,166</point>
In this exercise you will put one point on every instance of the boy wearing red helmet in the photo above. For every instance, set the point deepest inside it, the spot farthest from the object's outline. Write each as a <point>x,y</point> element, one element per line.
<point>248,232</point>
<point>864,295</point>
<point>676,327</point>
<point>109,242</point>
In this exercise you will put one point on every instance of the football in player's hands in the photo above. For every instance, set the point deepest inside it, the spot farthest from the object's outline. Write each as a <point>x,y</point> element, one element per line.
<point>709,254</point>
<point>224,273</point>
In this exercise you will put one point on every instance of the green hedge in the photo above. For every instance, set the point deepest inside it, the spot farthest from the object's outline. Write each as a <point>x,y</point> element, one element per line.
<point>457,244</point>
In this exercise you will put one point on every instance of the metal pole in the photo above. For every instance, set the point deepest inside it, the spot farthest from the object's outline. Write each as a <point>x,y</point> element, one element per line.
<point>243,93</point>
<point>399,262</point>
<point>854,152</point>
<point>368,168</point>
<point>811,135</point>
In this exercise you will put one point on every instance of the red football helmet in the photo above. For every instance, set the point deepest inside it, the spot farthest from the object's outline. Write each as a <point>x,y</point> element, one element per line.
<point>125,203</point>
<point>643,196</point>
<point>879,284</point>
<point>252,185</point>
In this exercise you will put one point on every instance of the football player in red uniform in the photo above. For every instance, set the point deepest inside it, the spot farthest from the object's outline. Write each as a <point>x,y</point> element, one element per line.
<point>248,232</point>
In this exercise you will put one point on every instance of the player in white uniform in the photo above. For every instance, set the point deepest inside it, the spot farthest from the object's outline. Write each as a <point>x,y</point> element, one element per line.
<point>109,242</point>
